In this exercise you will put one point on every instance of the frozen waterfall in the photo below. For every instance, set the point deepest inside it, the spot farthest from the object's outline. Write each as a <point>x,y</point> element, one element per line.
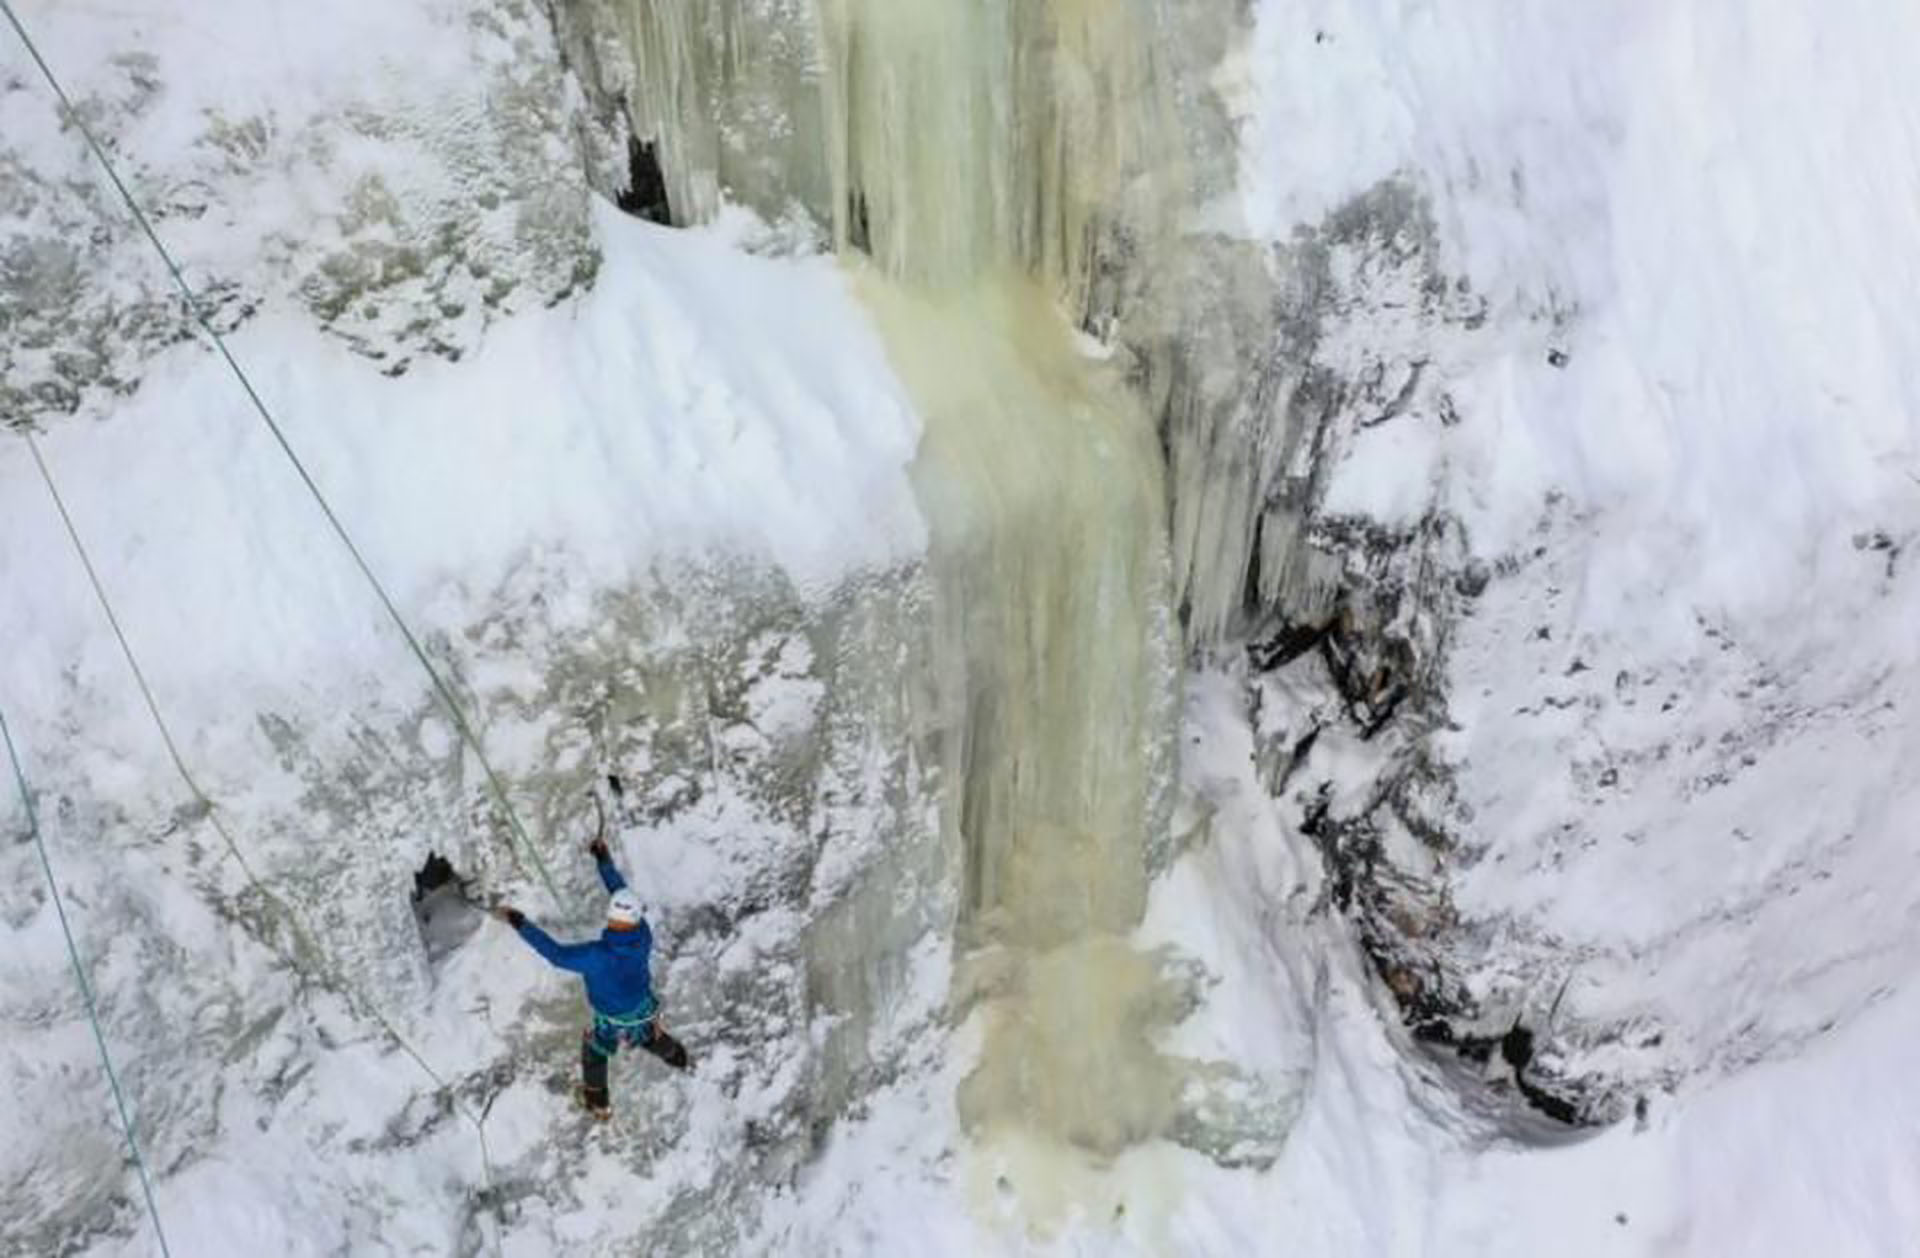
<point>985,168</point>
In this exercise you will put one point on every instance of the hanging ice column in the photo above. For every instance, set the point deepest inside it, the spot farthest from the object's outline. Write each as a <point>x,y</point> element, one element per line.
<point>1042,483</point>
<point>983,155</point>
<point>993,158</point>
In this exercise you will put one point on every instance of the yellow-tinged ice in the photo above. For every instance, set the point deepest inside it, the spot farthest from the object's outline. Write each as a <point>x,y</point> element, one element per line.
<point>986,155</point>
<point>945,138</point>
<point>965,137</point>
<point>1040,476</point>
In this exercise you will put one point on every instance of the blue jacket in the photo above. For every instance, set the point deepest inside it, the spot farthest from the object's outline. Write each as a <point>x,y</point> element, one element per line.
<point>615,966</point>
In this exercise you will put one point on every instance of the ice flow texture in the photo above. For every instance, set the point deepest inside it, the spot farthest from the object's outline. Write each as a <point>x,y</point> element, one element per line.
<point>995,162</point>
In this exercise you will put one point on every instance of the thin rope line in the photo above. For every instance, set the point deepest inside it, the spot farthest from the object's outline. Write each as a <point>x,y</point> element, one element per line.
<point>200,797</point>
<point>194,309</point>
<point>86,988</point>
<point>305,942</point>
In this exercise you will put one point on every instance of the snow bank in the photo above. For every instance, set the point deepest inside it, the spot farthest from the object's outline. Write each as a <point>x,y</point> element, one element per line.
<point>1709,208</point>
<point>698,403</point>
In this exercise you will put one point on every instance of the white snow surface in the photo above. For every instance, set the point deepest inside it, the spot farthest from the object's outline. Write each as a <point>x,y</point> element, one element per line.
<point>1712,208</point>
<point>603,438</point>
<point>1689,692</point>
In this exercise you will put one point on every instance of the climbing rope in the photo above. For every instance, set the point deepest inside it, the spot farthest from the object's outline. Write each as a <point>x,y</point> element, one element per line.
<point>139,675</point>
<point>305,943</point>
<point>86,988</point>
<point>195,310</point>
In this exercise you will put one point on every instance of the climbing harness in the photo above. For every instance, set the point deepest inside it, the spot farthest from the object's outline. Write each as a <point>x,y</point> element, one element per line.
<point>635,1027</point>
<point>86,989</point>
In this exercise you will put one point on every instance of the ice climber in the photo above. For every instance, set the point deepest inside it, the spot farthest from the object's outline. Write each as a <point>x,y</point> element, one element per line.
<point>619,984</point>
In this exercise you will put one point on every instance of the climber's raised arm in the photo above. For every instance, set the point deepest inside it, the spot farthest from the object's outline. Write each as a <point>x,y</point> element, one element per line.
<point>602,858</point>
<point>572,957</point>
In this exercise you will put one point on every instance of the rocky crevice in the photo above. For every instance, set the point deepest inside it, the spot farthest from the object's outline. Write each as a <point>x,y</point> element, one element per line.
<point>1369,678</point>
<point>1343,621</point>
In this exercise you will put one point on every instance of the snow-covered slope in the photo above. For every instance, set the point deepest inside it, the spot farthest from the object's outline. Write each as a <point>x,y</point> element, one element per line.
<point>569,545</point>
<point>1684,442</point>
<point>1544,487</point>
<point>662,529</point>
<point>1636,535</point>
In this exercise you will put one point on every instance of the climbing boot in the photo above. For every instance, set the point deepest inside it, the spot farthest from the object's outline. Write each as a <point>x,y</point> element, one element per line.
<point>595,1101</point>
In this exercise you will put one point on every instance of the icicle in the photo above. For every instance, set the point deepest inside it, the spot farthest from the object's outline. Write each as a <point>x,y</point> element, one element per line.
<point>727,90</point>
<point>989,156</point>
<point>946,140</point>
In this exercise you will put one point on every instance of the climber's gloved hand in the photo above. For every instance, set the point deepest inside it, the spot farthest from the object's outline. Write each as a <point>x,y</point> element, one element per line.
<point>598,846</point>
<point>510,915</point>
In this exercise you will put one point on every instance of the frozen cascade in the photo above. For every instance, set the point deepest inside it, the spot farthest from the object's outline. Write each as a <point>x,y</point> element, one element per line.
<point>943,140</point>
<point>961,138</point>
<point>1528,754</point>
<point>728,92</point>
<point>997,162</point>
<point>1073,141</point>
<point>1042,482</point>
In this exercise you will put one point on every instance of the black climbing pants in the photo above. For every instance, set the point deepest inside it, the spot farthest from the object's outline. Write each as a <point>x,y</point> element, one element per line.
<point>601,1041</point>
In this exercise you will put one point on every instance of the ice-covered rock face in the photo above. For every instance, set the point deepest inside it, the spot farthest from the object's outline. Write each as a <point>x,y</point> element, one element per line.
<point>1603,575</point>
<point>408,177</point>
<point>1539,516</point>
<point>761,775</point>
<point>733,636</point>
<point>998,172</point>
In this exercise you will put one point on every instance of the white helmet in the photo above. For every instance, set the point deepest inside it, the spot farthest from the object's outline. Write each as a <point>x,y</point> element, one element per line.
<point>623,908</point>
